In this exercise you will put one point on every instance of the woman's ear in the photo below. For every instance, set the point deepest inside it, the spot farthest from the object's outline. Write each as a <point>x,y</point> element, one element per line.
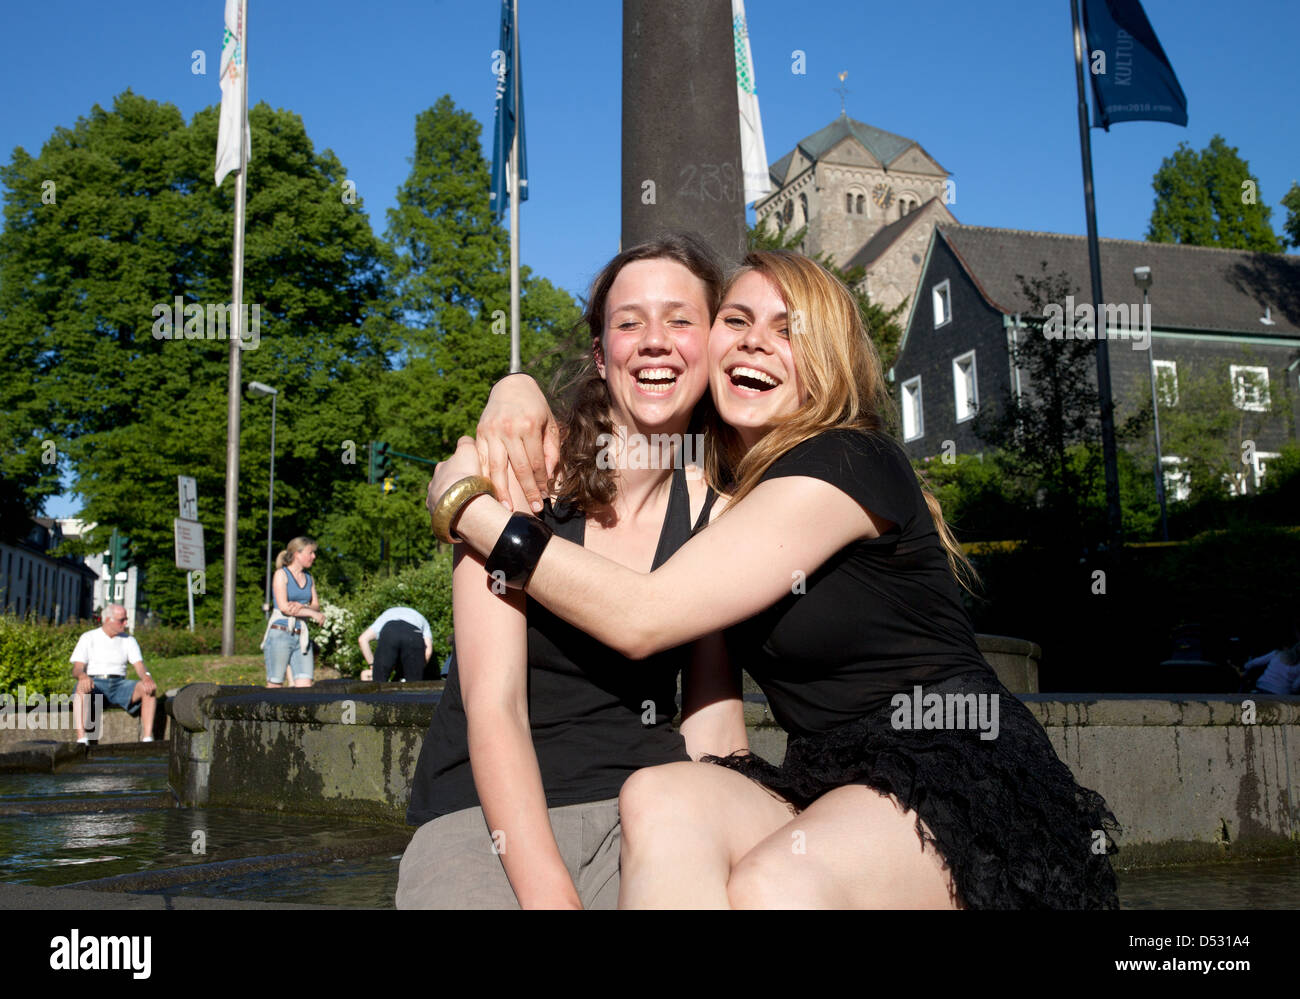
<point>598,354</point>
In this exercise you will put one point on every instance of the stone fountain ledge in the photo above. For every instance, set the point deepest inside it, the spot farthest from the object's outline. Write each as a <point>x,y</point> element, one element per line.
<point>1188,779</point>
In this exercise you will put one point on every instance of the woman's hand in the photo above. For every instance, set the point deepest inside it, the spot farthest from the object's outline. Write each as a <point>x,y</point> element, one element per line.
<point>447,473</point>
<point>518,431</point>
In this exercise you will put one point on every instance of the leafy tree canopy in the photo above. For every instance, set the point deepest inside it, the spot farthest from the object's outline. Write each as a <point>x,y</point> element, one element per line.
<point>1210,198</point>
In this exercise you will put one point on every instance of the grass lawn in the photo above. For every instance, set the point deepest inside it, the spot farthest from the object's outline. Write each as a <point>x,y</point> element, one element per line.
<point>177,672</point>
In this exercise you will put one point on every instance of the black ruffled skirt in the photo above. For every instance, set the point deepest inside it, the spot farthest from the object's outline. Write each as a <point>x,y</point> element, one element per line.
<point>1013,826</point>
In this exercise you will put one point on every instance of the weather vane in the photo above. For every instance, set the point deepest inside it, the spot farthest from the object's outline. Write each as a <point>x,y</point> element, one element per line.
<point>842,90</point>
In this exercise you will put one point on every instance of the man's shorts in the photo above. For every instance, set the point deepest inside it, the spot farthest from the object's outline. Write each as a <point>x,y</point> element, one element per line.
<point>281,650</point>
<point>117,690</point>
<point>452,862</point>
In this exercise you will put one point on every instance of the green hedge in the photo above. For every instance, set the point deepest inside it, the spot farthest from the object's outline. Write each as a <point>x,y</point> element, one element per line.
<point>426,588</point>
<point>167,642</point>
<point>1108,633</point>
<point>35,655</point>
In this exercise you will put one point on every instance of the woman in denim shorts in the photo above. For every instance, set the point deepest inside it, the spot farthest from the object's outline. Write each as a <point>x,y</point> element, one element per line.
<point>296,601</point>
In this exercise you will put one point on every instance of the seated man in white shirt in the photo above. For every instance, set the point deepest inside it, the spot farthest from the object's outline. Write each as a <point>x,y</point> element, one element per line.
<point>405,643</point>
<point>99,663</point>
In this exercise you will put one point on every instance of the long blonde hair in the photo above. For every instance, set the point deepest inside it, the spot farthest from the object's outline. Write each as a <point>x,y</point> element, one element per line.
<point>840,370</point>
<point>292,549</point>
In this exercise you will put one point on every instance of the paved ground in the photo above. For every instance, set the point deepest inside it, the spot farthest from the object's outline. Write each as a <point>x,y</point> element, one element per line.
<point>14,896</point>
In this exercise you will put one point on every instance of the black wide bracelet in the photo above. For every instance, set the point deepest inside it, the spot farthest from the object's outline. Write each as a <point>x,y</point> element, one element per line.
<point>518,550</point>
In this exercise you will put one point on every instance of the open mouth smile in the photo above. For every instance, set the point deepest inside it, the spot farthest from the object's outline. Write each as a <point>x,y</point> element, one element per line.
<point>656,381</point>
<point>751,380</point>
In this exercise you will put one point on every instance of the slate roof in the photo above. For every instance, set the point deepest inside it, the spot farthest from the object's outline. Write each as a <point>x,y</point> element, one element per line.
<point>884,146</point>
<point>1193,288</point>
<point>875,247</point>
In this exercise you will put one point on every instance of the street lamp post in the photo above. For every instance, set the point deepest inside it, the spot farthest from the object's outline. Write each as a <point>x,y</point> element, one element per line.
<point>257,388</point>
<point>1142,278</point>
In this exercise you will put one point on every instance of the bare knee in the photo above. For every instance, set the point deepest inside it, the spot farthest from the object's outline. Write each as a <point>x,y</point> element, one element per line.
<point>648,801</point>
<point>774,876</point>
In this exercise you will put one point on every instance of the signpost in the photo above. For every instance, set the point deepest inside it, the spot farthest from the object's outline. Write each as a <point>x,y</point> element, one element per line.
<point>189,538</point>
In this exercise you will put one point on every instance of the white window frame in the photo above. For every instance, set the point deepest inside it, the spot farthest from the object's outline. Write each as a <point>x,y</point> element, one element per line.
<point>1178,484</point>
<point>1260,465</point>
<point>941,298</point>
<point>971,405</point>
<point>1239,396</point>
<point>918,419</point>
<point>1172,368</point>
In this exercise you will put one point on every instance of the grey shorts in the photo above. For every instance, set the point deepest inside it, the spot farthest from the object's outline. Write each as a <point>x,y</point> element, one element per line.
<point>450,862</point>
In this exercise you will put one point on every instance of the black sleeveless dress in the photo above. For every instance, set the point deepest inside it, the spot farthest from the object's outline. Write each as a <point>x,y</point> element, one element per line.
<point>596,716</point>
<point>874,672</point>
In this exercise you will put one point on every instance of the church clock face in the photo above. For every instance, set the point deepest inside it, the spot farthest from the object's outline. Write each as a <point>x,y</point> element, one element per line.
<point>882,194</point>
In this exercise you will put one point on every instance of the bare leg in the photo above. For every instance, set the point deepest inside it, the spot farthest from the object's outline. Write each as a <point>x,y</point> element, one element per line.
<point>79,713</point>
<point>148,708</point>
<point>683,826</point>
<point>852,848</point>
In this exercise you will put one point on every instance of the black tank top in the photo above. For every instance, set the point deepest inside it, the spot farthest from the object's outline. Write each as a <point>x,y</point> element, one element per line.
<point>596,716</point>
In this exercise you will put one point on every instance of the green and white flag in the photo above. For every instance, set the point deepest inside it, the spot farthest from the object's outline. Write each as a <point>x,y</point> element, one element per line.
<point>753,153</point>
<point>234,68</point>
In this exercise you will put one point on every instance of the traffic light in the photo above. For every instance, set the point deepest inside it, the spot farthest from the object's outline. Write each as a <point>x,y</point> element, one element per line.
<point>119,555</point>
<point>381,462</point>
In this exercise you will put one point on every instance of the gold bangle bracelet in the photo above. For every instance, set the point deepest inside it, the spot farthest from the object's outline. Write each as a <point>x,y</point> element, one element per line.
<point>450,504</point>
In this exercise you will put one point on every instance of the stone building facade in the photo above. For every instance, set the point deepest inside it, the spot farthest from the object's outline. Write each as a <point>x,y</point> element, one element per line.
<point>867,198</point>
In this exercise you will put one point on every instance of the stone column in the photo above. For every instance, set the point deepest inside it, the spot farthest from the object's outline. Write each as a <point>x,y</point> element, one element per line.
<point>681,124</point>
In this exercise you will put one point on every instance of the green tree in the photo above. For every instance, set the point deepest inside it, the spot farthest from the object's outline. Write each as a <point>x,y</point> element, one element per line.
<point>1049,432</point>
<point>452,288</point>
<point>1210,198</point>
<point>452,281</point>
<point>89,263</point>
<point>881,323</point>
<point>1214,427</point>
<point>1291,202</point>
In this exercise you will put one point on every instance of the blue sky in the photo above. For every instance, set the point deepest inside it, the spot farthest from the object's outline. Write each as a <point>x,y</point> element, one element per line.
<point>987,88</point>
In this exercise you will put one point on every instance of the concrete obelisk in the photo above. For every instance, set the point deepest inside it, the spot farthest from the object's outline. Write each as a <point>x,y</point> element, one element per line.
<point>681,124</point>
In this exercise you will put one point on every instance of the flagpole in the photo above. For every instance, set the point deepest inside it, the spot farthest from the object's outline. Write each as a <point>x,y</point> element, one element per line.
<point>1109,456</point>
<point>232,389</point>
<point>515,364</point>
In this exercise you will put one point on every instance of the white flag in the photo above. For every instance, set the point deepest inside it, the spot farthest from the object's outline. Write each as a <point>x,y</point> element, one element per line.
<point>233,72</point>
<point>753,153</point>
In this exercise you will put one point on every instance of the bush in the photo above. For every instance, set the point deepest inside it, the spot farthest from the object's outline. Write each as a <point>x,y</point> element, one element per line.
<point>1108,632</point>
<point>34,655</point>
<point>426,588</point>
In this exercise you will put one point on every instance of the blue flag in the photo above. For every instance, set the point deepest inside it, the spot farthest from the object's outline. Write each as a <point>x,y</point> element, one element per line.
<point>1136,82</point>
<point>508,116</point>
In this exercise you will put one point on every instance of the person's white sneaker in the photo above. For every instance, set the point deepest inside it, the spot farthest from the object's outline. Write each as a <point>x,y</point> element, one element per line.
<point>83,741</point>
<point>146,738</point>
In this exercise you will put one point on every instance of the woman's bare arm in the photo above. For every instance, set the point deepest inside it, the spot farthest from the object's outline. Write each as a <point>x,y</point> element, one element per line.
<point>492,660</point>
<point>745,562</point>
<point>713,712</point>
<point>518,432</point>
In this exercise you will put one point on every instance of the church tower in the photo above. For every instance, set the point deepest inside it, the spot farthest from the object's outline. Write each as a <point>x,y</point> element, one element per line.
<point>868,198</point>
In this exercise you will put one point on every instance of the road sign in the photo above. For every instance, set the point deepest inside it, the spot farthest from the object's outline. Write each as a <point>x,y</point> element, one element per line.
<point>189,544</point>
<point>189,497</point>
